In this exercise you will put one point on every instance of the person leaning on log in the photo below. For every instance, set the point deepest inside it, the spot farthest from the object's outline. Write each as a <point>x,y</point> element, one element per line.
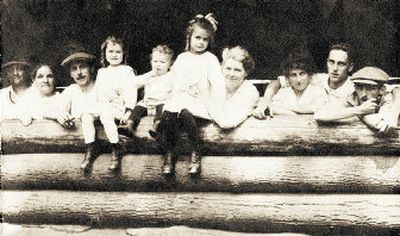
<point>300,96</point>
<point>16,73</point>
<point>78,96</point>
<point>368,102</point>
<point>42,101</point>
<point>336,83</point>
<point>241,95</point>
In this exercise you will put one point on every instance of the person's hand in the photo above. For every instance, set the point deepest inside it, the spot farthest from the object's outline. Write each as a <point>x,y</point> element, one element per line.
<point>126,116</point>
<point>368,107</point>
<point>26,120</point>
<point>66,120</point>
<point>193,91</point>
<point>384,127</point>
<point>260,112</point>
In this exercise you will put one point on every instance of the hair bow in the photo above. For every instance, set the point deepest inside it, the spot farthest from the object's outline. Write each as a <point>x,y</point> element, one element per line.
<point>210,17</point>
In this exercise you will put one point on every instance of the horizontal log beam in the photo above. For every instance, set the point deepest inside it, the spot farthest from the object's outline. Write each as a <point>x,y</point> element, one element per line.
<point>333,214</point>
<point>282,135</point>
<point>236,174</point>
<point>84,230</point>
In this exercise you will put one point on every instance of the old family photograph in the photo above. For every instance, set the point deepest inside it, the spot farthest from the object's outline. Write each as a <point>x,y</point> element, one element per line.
<point>210,117</point>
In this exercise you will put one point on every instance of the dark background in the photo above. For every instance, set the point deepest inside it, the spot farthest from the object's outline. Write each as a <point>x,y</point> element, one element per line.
<point>47,30</point>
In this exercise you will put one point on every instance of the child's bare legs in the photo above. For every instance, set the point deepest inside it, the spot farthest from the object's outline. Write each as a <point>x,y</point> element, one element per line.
<point>111,130</point>
<point>89,134</point>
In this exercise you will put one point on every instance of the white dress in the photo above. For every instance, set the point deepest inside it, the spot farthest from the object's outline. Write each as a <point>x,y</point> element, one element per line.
<point>198,84</point>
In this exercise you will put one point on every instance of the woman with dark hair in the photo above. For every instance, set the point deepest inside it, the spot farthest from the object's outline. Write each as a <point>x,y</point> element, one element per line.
<point>42,102</point>
<point>300,96</point>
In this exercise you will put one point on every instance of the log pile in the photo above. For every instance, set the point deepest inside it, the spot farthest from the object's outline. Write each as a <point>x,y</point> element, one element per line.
<point>287,174</point>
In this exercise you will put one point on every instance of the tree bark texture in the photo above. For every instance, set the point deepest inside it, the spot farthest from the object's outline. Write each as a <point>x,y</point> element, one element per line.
<point>235,174</point>
<point>310,213</point>
<point>282,135</point>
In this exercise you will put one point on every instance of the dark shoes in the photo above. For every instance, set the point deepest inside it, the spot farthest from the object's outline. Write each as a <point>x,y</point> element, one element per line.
<point>116,158</point>
<point>127,129</point>
<point>153,130</point>
<point>168,167</point>
<point>195,165</point>
<point>90,156</point>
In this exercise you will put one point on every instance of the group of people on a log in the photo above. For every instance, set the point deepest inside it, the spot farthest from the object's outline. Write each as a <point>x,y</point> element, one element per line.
<point>195,89</point>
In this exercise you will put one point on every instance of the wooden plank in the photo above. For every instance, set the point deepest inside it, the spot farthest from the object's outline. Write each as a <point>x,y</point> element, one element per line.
<point>309,213</point>
<point>282,135</point>
<point>237,174</point>
<point>84,230</point>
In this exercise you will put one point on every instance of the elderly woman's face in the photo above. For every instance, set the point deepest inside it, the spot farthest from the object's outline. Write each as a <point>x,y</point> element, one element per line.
<point>44,80</point>
<point>233,72</point>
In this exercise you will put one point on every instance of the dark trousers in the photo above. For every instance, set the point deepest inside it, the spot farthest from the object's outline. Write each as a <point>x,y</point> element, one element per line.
<point>140,111</point>
<point>173,124</point>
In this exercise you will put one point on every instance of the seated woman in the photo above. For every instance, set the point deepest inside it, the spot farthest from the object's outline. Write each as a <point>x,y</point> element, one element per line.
<point>42,102</point>
<point>241,95</point>
<point>300,96</point>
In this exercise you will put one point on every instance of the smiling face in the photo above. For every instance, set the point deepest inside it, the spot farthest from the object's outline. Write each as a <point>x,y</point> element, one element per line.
<point>160,63</point>
<point>199,40</point>
<point>114,54</point>
<point>298,80</point>
<point>339,67</point>
<point>44,80</point>
<point>234,73</point>
<point>81,73</point>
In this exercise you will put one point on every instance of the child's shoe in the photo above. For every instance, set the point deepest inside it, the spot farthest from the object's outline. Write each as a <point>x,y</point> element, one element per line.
<point>195,165</point>
<point>168,166</point>
<point>127,129</point>
<point>91,154</point>
<point>153,129</point>
<point>116,158</point>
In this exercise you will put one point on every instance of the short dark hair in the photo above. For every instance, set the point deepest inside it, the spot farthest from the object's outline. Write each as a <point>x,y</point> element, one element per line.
<point>298,61</point>
<point>343,47</point>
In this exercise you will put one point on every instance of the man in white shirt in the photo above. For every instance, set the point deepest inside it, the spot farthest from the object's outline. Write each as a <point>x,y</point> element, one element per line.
<point>367,102</point>
<point>336,83</point>
<point>79,97</point>
<point>16,74</point>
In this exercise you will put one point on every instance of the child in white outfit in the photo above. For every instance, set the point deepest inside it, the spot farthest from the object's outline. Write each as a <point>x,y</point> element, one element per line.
<point>115,97</point>
<point>157,90</point>
<point>198,91</point>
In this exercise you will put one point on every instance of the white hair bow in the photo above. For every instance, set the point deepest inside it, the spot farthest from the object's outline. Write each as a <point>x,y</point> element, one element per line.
<point>210,17</point>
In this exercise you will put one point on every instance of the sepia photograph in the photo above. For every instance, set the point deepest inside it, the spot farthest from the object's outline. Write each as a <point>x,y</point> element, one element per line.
<point>206,117</point>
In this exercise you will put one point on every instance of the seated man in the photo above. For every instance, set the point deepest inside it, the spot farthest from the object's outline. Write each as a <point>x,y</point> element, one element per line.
<point>367,102</point>
<point>300,97</point>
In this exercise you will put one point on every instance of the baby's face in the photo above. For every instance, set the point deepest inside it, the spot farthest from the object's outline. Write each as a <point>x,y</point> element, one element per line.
<point>160,63</point>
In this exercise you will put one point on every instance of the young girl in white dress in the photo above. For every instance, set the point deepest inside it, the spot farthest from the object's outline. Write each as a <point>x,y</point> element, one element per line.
<point>116,96</point>
<point>198,91</point>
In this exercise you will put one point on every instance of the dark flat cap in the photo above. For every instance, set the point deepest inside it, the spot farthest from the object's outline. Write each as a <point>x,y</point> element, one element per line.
<point>78,56</point>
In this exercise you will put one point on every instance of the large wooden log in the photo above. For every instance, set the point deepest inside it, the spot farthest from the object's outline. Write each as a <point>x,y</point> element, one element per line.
<point>84,230</point>
<point>237,174</point>
<point>317,214</point>
<point>282,135</point>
